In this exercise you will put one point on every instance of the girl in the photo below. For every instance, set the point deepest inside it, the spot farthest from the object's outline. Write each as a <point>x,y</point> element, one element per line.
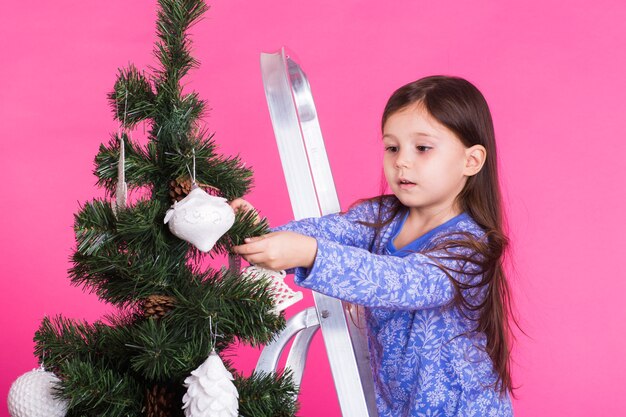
<point>425,261</point>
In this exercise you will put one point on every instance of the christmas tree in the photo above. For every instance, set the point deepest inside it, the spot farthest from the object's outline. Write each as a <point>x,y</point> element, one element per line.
<point>135,361</point>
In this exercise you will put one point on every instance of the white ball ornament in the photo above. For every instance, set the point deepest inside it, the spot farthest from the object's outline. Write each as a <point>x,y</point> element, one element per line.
<point>200,219</point>
<point>210,391</point>
<point>31,395</point>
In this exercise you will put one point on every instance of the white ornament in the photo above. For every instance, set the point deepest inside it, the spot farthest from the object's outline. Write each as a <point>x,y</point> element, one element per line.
<point>282,294</point>
<point>31,396</point>
<point>121,190</point>
<point>200,219</point>
<point>210,391</point>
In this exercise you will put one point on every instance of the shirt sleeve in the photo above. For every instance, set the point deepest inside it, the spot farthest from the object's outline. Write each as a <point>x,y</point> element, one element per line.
<point>341,228</point>
<point>384,281</point>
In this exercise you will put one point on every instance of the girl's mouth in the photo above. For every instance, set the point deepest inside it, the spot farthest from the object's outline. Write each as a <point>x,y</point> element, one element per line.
<point>404,184</point>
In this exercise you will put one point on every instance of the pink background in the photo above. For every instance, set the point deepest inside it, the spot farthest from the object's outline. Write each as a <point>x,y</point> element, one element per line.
<point>553,73</point>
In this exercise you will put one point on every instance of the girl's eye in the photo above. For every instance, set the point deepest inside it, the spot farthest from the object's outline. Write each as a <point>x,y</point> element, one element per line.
<point>391,148</point>
<point>423,148</point>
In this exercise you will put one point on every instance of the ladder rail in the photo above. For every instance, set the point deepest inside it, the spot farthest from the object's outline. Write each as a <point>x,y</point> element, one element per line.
<point>312,193</point>
<point>296,360</point>
<point>301,328</point>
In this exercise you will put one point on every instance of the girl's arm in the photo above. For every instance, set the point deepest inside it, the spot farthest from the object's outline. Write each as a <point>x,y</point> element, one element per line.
<point>343,228</point>
<point>358,276</point>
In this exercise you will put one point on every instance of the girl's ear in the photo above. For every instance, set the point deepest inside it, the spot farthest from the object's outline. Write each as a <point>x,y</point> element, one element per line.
<point>475,157</point>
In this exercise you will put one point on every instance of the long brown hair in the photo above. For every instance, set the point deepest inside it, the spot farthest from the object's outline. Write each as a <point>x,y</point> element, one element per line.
<point>459,106</point>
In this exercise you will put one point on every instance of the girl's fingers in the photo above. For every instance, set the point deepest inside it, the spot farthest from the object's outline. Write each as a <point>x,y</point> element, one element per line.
<point>256,259</point>
<point>236,203</point>
<point>239,204</point>
<point>256,246</point>
<point>242,250</point>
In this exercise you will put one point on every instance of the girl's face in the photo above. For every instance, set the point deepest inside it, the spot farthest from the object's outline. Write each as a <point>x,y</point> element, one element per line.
<point>425,163</point>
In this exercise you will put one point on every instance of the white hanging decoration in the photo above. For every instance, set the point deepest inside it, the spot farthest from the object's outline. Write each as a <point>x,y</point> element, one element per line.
<point>31,395</point>
<point>199,218</point>
<point>282,294</point>
<point>121,190</point>
<point>210,390</point>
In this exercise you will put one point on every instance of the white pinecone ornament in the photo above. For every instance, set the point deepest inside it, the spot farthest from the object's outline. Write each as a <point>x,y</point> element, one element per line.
<point>210,390</point>
<point>31,396</point>
<point>282,295</point>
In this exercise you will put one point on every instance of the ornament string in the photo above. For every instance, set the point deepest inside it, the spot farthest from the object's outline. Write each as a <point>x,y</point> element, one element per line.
<point>125,108</point>
<point>213,333</point>
<point>192,173</point>
<point>42,367</point>
<point>122,126</point>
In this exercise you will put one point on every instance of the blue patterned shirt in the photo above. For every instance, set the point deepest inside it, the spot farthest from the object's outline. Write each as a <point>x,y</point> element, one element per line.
<point>426,358</point>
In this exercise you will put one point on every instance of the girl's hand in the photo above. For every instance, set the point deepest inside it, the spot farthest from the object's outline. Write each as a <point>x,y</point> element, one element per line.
<point>241,204</point>
<point>279,250</point>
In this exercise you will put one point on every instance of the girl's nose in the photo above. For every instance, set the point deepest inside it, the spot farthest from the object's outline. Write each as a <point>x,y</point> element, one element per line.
<point>403,160</point>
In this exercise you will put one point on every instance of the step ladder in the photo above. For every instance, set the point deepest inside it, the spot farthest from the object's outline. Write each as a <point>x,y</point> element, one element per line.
<point>312,193</point>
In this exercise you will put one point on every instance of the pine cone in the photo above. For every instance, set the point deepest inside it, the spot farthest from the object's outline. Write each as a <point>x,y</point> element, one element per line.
<point>159,402</point>
<point>158,305</point>
<point>181,186</point>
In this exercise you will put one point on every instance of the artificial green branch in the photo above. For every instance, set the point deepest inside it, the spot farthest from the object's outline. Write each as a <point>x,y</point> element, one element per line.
<point>167,299</point>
